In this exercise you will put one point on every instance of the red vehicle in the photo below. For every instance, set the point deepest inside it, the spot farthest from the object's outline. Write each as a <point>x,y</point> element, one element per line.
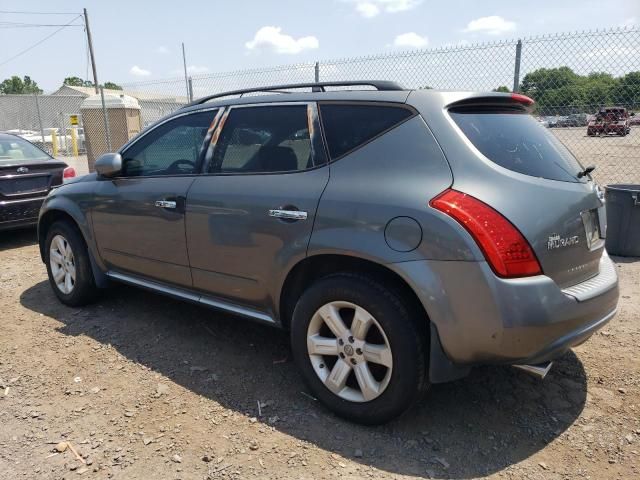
<point>610,120</point>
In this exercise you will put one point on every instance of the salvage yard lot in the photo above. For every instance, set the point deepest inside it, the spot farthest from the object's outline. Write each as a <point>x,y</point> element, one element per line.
<point>146,387</point>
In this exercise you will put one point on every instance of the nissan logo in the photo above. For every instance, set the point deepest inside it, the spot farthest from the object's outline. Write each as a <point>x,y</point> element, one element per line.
<point>23,170</point>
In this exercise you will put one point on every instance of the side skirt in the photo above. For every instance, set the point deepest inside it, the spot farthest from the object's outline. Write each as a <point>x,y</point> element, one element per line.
<point>193,297</point>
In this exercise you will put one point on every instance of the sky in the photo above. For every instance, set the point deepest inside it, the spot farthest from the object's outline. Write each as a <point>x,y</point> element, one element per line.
<point>140,41</point>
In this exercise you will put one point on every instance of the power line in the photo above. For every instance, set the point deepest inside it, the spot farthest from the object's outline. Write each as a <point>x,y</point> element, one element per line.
<point>34,25</point>
<point>39,42</point>
<point>37,13</point>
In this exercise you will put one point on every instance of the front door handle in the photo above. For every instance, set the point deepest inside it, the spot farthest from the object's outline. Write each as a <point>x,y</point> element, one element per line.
<point>166,204</point>
<point>288,214</point>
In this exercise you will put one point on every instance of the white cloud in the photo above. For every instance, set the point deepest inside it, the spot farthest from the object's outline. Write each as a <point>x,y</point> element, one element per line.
<point>139,72</point>
<point>372,8</point>
<point>410,40</point>
<point>162,50</point>
<point>272,38</point>
<point>493,25</point>
<point>367,10</point>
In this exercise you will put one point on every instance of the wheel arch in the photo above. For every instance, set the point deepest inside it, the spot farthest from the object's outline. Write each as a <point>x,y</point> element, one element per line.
<point>311,268</point>
<point>50,214</point>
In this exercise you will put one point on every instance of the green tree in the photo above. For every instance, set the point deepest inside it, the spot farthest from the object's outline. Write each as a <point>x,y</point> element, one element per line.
<point>16,84</point>
<point>502,88</point>
<point>112,86</point>
<point>73,82</point>
<point>627,91</point>
<point>78,82</point>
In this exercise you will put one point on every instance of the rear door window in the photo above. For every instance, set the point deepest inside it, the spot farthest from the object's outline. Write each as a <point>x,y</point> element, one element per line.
<point>515,140</point>
<point>264,139</point>
<point>349,126</point>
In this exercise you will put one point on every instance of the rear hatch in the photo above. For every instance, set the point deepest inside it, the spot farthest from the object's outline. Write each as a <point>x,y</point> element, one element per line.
<point>534,181</point>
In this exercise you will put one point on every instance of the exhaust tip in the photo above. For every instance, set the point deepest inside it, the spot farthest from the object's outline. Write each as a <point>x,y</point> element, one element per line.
<point>539,370</point>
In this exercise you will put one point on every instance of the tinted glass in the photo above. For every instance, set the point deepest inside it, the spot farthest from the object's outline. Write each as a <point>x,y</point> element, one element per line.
<point>264,139</point>
<point>171,149</point>
<point>515,140</point>
<point>349,126</point>
<point>16,149</point>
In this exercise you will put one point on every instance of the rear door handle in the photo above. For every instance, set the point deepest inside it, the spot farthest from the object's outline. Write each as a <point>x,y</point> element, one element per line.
<point>288,214</point>
<point>166,204</point>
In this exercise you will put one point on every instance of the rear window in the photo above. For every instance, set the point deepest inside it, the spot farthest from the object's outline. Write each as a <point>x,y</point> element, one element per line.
<point>515,140</point>
<point>348,126</point>
<point>15,148</point>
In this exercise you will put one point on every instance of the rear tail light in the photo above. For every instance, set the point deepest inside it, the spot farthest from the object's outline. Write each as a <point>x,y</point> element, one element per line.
<point>506,250</point>
<point>68,172</point>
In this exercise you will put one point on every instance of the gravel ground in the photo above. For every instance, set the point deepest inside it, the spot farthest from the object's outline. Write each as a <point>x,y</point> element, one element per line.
<point>142,386</point>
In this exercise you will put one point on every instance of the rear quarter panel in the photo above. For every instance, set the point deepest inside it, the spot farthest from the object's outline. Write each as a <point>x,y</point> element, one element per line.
<point>394,175</point>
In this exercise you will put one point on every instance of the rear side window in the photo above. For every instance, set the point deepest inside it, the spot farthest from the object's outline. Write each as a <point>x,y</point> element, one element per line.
<point>348,126</point>
<point>264,139</point>
<point>515,140</point>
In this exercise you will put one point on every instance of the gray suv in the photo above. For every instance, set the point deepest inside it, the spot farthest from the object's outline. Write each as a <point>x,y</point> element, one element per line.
<point>401,236</point>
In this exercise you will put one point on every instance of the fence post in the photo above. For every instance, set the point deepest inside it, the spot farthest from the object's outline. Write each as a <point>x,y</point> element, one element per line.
<point>516,70</point>
<point>39,118</point>
<point>54,143</point>
<point>190,89</point>
<point>317,72</point>
<point>106,120</point>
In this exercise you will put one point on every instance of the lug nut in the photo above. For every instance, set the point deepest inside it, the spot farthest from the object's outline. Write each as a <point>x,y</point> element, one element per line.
<point>340,341</point>
<point>353,361</point>
<point>359,351</point>
<point>350,339</point>
<point>341,355</point>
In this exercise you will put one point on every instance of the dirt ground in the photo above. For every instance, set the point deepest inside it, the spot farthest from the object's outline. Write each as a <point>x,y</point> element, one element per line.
<point>143,386</point>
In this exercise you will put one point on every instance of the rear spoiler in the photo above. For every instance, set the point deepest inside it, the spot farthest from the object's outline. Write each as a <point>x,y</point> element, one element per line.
<point>511,100</point>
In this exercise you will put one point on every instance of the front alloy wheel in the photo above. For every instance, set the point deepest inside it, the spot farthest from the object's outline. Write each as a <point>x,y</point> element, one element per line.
<point>68,264</point>
<point>62,263</point>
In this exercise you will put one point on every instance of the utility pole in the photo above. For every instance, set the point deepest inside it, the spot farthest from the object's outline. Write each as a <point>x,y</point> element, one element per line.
<point>93,58</point>
<point>184,62</point>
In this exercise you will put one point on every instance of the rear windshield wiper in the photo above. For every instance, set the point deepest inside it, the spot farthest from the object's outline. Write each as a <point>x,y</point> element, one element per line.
<point>586,171</point>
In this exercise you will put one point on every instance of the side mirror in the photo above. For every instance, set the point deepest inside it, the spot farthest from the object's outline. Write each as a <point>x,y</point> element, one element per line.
<point>109,164</point>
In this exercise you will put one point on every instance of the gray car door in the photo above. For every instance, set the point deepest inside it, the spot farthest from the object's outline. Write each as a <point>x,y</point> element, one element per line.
<point>250,214</point>
<point>139,222</point>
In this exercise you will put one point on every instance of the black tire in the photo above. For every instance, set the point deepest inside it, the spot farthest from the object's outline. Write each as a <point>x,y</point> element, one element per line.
<point>404,327</point>
<point>84,289</point>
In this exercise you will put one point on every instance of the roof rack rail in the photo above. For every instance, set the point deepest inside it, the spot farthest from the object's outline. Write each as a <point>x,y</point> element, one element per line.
<point>315,86</point>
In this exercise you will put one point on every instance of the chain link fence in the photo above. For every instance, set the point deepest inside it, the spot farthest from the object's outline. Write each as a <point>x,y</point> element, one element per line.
<point>586,86</point>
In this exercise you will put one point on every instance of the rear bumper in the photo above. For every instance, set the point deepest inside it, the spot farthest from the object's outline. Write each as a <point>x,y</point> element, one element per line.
<point>19,213</point>
<point>483,319</point>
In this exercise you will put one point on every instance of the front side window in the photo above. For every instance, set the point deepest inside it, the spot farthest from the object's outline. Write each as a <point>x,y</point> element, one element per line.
<point>264,139</point>
<point>173,148</point>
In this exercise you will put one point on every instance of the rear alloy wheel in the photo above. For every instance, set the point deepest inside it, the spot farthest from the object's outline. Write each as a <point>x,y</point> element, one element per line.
<point>360,347</point>
<point>68,265</point>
